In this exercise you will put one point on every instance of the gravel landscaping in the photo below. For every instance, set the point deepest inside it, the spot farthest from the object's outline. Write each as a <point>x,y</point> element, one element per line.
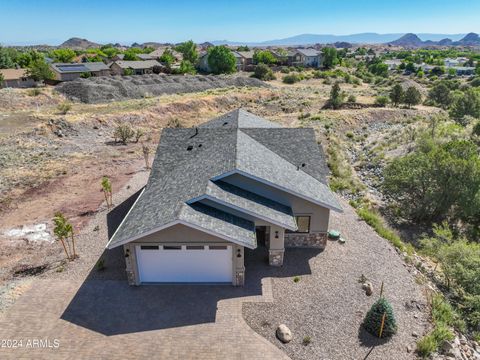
<point>115,88</point>
<point>325,305</point>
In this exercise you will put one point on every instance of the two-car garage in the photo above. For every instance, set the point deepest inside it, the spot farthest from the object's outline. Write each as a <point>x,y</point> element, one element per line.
<point>184,263</point>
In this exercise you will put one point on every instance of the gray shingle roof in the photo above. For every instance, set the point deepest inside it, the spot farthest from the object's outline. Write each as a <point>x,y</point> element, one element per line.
<point>96,66</point>
<point>308,52</point>
<point>137,64</point>
<point>259,206</point>
<point>239,119</point>
<point>188,159</point>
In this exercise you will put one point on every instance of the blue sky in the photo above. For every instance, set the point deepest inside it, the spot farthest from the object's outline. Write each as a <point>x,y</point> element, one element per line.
<point>42,21</point>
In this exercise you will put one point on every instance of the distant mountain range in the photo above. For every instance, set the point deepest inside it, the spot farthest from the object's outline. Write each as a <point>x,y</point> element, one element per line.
<point>412,40</point>
<point>363,38</point>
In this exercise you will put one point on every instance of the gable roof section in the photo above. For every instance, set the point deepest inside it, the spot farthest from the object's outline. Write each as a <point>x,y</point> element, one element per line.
<point>308,52</point>
<point>137,64</point>
<point>274,170</point>
<point>13,74</point>
<point>249,203</point>
<point>187,160</point>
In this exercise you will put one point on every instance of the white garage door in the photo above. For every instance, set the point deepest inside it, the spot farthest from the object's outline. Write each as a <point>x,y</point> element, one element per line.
<point>184,263</point>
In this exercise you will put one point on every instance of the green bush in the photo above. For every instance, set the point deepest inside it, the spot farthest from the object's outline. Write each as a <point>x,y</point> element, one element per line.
<point>373,320</point>
<point>263,72</point>
<point>352,98</point>
<point>381,100</point>
<point>64,107</point>
<point>426,346</point>
<point>291,79</point>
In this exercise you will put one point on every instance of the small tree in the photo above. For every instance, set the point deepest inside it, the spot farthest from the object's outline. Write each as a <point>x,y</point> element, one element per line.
<point>64,107</point>
<point>189,51</point>
<point>167,58</point>
<point>128,72</point>
<point>264,57</point>
<point>336,97</point>
<point>329,57</point>
<point>107,191</point>
<point>39,70</point>
<point>440,95</point>
<point>63,231</point>
<point>397,94</point>
<point>468,104</point>
<point>186,67</point>
<point>146,154</point>
<point>381,311</point>
<point>63,55</point>
<point>412,97</point>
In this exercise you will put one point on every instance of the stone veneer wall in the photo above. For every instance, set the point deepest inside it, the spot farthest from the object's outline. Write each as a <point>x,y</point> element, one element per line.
<point>314,240</point>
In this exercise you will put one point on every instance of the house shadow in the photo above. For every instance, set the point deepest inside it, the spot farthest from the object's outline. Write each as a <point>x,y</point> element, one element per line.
<point>106,304</point>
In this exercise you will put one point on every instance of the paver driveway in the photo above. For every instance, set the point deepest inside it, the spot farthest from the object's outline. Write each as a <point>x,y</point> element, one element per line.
<point>106,319</point>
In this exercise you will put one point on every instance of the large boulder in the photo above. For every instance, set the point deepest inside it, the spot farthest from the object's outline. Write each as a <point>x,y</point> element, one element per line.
<point>284,334</point>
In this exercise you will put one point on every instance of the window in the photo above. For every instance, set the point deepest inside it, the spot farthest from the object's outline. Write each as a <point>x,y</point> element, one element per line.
<point>195,247</point>
<point>149,247</point>
<point>303,225</point>
<point>217,247</point>
<point>172,247</point>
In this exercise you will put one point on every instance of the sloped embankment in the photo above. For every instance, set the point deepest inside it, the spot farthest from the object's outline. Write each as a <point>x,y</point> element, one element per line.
<point>117,88</point>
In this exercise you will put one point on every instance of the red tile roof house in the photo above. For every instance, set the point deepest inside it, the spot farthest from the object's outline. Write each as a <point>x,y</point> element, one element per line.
<point>235,182</point>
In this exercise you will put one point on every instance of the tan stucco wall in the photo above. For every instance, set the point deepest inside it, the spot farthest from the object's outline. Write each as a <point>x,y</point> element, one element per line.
<point>319,215</point>
<point>181,234</point>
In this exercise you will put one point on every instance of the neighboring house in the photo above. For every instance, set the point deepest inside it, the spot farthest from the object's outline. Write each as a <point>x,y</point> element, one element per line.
<point>393,63</point>
<point>449,62</point>
<point>16,78</point>
<point>464,70</point>
<point>246,59</point>
<point>69,72</point>
<point>139,67</point>
<point>117,57</point>
<point>236,182</point>
<point>157,53</point>
<point>310,57</point>
<point>146,56</point>
<point>238,60</point>
<point>281,56</point>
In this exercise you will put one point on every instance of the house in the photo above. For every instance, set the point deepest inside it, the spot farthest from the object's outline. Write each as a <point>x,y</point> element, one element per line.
<point>69,72</point>
<point>393,63</point>
<point>138,67</point>
<point>236,182</point>
<point>464,70</point>
<point>157,53</point>
<point>16,78</point>
<point>246,59</point>
<point>305,57</point>
<point>450,62</point>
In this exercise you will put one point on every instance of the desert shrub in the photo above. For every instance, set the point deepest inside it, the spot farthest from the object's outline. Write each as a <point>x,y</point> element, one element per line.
<point>123,133</point>
<point>306,340</point>
<point>285,70</point>
<point>157,69</point>
<point>373,320</point>
<point>434,340</point>
<point>263,72</point>
<point>128,72</point>
<point>64,107</point>
<point>476,129</point>
<point>475,82</point>
<point>352,98</point>
<point>337,97</point>
<point>381,100</point>
<point>139,133</point>
<point>349,135</point>
<point>459,261</point>
<point>34,92</point>
<point>86,75</point>
<point>440,95</point>
<point>296,279</point>
<point>174,123</point>
<point>426,346</point>
<point>291,79</point>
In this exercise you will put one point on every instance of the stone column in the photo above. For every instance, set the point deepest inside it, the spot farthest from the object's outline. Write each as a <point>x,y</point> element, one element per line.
<point>276,246</point>
<point>238,266</point>
<point>130,264</point>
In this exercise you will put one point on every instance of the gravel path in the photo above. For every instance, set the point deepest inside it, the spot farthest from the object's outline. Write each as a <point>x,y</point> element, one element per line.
<point>328,304</point>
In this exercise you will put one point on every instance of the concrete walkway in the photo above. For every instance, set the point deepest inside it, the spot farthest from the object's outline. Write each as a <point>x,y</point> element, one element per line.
<point>107,319</point>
